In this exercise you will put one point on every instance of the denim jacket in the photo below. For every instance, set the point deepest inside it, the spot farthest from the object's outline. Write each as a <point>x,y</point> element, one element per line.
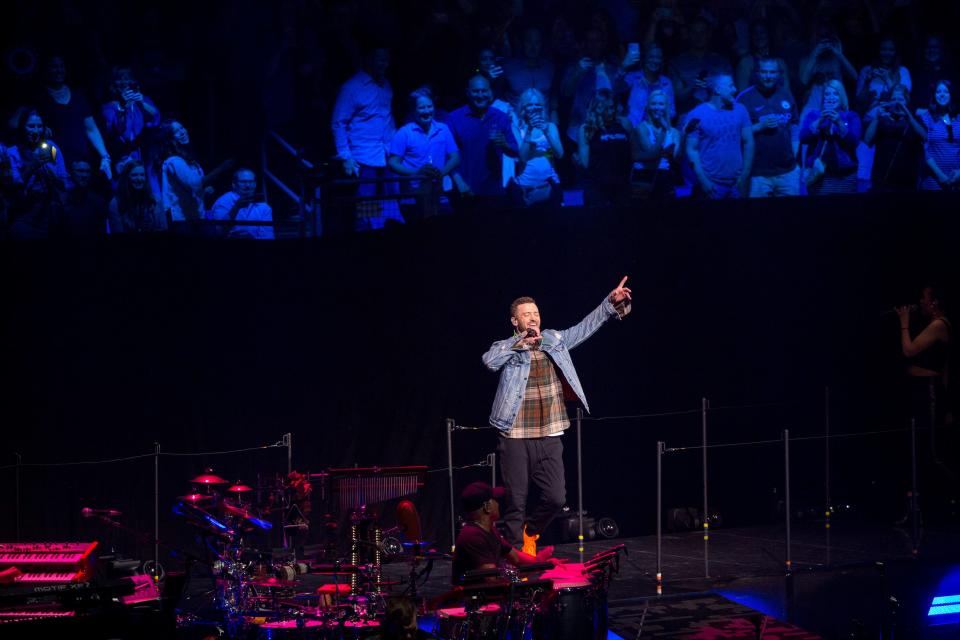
<point>514,364</point>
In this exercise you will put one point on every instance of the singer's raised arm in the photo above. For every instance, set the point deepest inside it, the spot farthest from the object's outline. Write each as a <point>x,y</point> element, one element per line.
<point>607,309</point>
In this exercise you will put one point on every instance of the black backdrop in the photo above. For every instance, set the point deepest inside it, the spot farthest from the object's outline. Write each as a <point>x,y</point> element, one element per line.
<point>362,346</point>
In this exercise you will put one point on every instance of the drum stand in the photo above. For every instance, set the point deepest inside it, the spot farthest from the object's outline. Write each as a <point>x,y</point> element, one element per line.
<point>415,574</point>
<point>525,609</point>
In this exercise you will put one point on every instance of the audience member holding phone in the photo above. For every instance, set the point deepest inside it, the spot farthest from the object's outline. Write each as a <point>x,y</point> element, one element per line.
<point>38,177</point>
<point>539,148</point>
<point>127,117</point>
<point>898,138</point>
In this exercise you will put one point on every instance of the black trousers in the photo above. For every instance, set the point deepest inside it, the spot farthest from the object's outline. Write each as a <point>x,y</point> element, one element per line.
<point>525,462</point>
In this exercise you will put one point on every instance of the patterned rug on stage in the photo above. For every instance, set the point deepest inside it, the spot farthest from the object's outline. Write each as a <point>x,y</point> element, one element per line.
<point>701,617</point>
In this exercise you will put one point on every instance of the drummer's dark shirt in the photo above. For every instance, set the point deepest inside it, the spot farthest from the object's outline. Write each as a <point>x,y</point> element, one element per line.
<point>476,547</point>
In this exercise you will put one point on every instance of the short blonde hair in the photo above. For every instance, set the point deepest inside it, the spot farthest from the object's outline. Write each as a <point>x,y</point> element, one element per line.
<point>836,84</point>
<point>527,96</point>
<point>658,93</point>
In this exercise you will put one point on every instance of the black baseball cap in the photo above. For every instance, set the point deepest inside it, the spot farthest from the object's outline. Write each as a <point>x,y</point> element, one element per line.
<point>476,493</point>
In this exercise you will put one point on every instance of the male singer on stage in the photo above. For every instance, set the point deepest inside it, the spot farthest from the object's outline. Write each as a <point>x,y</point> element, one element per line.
<point>536,373</point>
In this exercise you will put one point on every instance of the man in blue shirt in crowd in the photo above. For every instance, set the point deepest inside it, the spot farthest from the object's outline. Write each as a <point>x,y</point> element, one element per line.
<point>240,204</point>
<point>363,125</point>
<point>483,136</point>
<point>720,142</point>
<point>773,112</point>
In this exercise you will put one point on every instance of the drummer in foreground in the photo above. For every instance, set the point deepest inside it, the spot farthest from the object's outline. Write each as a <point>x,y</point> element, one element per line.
<point>479,545</point>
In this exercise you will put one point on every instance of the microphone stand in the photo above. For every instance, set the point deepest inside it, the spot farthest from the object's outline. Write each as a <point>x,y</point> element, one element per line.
<point>413,571</point>
<point>190,558</point>
<point>147,538</point>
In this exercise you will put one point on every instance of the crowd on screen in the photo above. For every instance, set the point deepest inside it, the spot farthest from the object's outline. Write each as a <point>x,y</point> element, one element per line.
<point>511,103</point>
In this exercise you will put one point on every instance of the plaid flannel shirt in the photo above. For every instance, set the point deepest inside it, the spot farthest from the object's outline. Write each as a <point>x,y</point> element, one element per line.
<point>542,412</point>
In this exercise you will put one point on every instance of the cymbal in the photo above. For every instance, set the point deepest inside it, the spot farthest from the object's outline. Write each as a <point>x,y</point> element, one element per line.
<point>273,583</point>
<point>195,498</point>
<point>235,510</point>
<point>240,488</point>
<point>334,587</point>
<point>209,478</point>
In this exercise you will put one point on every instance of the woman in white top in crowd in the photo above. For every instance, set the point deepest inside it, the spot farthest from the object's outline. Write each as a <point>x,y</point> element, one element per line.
<point>181,176</point>
<point>183,182</point>
<point>539,148</point>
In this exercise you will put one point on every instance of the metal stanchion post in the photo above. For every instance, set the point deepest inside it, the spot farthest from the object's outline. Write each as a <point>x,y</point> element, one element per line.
<point>704,406</point>
<point>786,493</point>
<point>826,469</point>
<point>932,407</point>
<point>492,459</point>
<point>660,449</point>
<point>914,507</point>
<point>788,576</point>
<point>156,509</point>
<point>288,441</point>
<point>451,423</point>
<point>580,483</point>
<point>17,492</point>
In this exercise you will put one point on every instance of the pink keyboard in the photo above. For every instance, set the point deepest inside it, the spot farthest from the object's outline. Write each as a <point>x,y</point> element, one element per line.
<point>49,576</point>
<point>48,562</point>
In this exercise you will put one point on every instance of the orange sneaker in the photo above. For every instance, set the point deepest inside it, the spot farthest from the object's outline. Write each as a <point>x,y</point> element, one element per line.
<point>530,542</point>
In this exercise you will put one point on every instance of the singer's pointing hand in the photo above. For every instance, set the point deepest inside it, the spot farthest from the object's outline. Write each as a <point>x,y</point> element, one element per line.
<point>620,293</point>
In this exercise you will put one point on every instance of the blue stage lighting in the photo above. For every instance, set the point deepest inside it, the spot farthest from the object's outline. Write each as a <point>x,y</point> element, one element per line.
<point>944,610</point>
<point>765,603</point>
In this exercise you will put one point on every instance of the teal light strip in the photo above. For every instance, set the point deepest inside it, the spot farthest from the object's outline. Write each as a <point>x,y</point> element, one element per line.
<point>943,610</point>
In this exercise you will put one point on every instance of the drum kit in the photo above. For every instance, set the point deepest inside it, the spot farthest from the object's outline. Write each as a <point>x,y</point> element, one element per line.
<point>261,593</point>
<point>563,602</point>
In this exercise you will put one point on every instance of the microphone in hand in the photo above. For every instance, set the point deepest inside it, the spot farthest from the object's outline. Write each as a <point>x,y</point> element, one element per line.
<point>87,512</point>
<point>911,308</point>
<point>531,337</point>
